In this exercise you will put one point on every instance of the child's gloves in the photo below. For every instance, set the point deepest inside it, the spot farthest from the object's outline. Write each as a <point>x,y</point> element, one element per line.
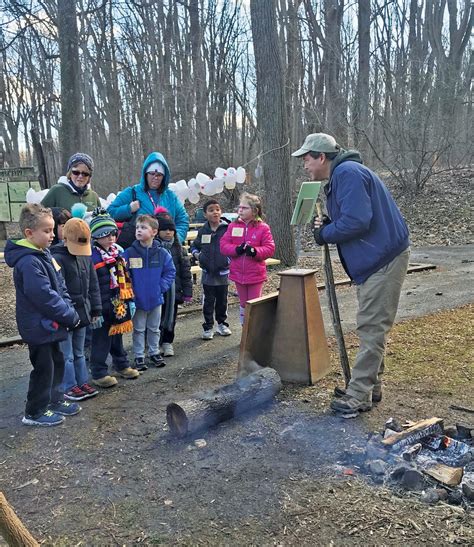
<point>250,251</point>
<point>240,250</point>
<point>133,309</point>
<point>97,322</point>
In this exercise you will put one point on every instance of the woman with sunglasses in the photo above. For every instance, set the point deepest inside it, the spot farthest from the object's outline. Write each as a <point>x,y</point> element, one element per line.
<point>151,192</point>
<point>75,186</point>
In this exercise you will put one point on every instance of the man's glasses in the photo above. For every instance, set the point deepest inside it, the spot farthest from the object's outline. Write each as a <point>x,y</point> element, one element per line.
<point>77,173</point>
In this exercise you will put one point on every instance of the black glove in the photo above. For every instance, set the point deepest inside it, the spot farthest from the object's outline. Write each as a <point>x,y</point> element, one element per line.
<point>317,236</point>
<point>317,231</point>
<point>240,250</point>
<point>250,251</point>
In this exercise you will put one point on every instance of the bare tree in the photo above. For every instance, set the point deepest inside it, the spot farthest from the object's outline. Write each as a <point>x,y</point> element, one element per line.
<point>272,124</point>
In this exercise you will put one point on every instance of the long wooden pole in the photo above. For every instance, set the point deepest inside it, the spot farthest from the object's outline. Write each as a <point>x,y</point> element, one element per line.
<point>12,529</point>
<point>334,307</point>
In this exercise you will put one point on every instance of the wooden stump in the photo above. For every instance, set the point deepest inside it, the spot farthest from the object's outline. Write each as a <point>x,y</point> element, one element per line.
<point>12,529</point>
<point>206,409</point>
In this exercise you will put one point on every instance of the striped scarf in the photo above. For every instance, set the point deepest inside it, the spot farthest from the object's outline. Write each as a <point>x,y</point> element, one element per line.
<point>120,288</point>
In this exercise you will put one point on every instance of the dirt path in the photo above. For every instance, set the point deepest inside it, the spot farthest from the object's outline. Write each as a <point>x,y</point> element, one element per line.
<point>113,475</point>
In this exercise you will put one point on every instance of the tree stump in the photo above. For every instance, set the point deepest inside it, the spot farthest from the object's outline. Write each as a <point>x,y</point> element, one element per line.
<point>206,409</point>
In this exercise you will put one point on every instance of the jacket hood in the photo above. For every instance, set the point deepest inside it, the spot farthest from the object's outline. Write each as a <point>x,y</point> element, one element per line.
<point>345,155</point>
<point>15,251</point>
<point>155,156</point>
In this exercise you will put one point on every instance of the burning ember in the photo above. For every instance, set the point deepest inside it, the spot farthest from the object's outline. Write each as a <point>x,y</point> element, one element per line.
<point>422,457</point>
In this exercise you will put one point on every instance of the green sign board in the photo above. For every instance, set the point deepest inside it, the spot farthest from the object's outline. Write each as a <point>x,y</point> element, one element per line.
<point>304,208</point>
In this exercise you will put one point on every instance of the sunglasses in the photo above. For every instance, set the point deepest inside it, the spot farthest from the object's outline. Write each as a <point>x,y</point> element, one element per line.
<point>77,173</point>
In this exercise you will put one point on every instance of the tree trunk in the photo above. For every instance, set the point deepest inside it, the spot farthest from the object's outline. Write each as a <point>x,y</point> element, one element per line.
<point>71,105</point>
<point>363,77</point>
<point>273,126</point>
<point>209,408</point>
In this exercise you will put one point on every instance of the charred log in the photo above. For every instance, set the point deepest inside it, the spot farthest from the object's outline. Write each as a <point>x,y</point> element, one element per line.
<point>206,409</point>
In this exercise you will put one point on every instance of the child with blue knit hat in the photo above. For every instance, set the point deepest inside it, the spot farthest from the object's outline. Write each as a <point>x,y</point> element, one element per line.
<point>117,303</point>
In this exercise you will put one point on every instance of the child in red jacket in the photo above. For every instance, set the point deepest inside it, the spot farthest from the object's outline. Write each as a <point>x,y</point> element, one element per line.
<point>248,242</point>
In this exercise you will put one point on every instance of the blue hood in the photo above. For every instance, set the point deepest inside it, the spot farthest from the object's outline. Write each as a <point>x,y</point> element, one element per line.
<point>155,156</point>
<point>15,251</point>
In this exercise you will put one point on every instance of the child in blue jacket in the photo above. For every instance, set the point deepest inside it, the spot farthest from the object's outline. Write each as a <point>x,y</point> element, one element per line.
<point>44,312</point>
<point>153,272</point>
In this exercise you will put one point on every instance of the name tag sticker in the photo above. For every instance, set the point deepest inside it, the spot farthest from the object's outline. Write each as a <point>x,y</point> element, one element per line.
<point>206,238</point>
<point>57,267</point>
<point>237,232</point>
<point>136,262</point>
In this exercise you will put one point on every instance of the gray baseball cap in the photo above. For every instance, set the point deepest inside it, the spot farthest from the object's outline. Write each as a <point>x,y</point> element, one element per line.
<point>318,142</point>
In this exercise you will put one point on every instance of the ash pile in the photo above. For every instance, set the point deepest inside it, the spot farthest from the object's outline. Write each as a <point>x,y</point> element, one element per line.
<point>425,458</point>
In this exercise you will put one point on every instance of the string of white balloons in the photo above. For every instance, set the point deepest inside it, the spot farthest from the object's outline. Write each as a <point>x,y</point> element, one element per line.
<point>201,183</point>
<point>207,186</point>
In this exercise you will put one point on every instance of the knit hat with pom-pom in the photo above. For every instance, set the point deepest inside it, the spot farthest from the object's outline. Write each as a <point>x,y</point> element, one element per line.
<point>101,224</point>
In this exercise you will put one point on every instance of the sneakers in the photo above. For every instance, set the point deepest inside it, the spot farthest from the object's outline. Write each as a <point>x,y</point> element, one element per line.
<point>105,381</point>
<point>65,408</point>
<point>140,364</point>
<point>223,330</point>
<point>75,394</point>
<point>128,373</point>
<point>167,349</point>
<point>89,390</point>
<point>348,404</point>
<point>157,360</point>
<point>207,334</point>
<point>47,419</point>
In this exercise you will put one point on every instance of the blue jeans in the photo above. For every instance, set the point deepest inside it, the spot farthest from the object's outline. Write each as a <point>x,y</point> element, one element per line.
<point>146,322</point>
<point>75,368</point>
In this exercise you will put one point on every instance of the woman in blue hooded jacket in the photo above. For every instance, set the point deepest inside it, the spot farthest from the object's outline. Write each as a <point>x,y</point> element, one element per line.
<point>152,191</point>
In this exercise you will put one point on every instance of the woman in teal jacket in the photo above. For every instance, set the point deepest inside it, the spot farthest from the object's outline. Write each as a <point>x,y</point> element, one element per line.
<point>152,191</point>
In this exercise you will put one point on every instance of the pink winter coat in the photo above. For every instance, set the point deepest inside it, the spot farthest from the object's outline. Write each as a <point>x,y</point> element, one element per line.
<point>244,269</point>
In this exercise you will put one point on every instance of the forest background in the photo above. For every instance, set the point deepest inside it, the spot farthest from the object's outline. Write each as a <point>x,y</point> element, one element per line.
<point>230,82</point>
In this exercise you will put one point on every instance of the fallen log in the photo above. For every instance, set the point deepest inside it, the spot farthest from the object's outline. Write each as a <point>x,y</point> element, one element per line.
<point>206,409</point>
<point>12,529</point>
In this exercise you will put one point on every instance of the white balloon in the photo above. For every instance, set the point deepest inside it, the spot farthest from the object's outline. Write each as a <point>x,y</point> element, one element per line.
<point>219,173</point>
<point>172,186</point>
<point>230,184</point>
<point>231,176</point>
<point>32,196</point>
<point>208,189</point>
<point>219,185</point>
<point>181,186</point>
<point>194,185</point>
<point>202,178</point>
<point>193,197</point>
<point>241,174</point>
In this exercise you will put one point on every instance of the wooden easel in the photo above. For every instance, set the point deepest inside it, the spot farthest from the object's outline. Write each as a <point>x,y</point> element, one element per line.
<point>285,330</point>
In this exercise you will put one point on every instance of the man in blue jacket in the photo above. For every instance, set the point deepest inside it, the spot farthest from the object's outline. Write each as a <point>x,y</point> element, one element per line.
<point>373,243</point>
